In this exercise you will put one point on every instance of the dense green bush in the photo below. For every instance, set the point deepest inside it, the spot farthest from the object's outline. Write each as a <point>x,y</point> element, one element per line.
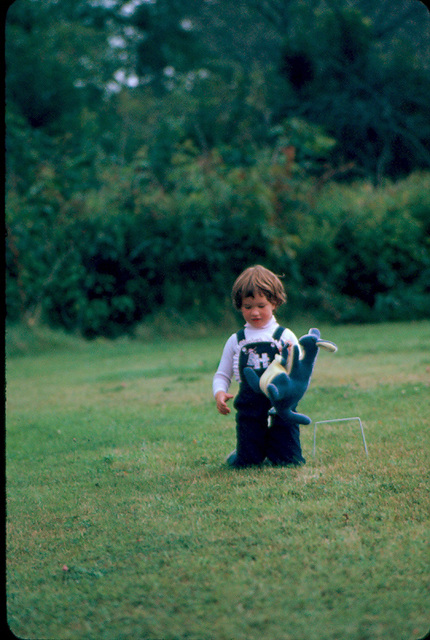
<point>366,251</point>
<point>183,144</point>
<point>106,261</point>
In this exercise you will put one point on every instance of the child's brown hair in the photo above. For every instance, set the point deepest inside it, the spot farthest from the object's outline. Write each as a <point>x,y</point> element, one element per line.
<point>258,279</point>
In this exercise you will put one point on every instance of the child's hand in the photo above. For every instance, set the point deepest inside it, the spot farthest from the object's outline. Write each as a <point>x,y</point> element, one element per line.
<point>221,402</point>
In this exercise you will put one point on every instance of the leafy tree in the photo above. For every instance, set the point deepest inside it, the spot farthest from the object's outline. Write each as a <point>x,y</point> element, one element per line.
<point>153,148</point>
<point>374,107</point>
<point>359,69</point>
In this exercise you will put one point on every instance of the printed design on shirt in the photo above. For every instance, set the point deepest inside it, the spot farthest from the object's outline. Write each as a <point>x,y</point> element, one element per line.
<point>257,355</point>
<point>256,360</point>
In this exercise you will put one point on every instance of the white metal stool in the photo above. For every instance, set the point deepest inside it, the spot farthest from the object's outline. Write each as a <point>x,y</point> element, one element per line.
<point>339,420</point>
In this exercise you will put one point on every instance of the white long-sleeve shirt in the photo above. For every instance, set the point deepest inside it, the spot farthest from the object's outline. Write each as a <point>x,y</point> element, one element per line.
<point>229,363</point>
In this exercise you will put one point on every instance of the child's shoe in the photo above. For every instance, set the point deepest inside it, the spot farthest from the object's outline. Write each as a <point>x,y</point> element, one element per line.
<point>231,459</point>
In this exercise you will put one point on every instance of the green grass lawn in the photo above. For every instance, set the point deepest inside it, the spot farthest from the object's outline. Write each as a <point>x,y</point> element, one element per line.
<point>123,521</point>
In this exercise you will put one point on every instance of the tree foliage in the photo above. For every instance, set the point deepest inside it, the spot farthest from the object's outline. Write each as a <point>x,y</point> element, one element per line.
<point>352,252</point>
<point>231,71</point>
<point>154,149</point>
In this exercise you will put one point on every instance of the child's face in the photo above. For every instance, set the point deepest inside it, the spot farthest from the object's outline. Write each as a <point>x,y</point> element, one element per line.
<point>257,310</point>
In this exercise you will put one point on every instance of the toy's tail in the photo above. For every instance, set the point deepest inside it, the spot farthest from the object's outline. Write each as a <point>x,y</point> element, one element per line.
<point>297,418</point>
<point>300,418</point>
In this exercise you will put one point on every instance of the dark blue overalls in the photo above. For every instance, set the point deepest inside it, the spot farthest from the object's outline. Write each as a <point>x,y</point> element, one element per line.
<point>256,440</point>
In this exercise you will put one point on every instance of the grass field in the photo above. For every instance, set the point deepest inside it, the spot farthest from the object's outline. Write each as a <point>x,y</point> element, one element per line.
<point>123,521</point>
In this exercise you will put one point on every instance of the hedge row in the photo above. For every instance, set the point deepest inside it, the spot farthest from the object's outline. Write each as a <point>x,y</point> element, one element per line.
<point>101,264</point>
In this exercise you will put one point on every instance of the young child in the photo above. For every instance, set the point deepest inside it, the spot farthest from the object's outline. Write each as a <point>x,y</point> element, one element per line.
<point>257,292</point>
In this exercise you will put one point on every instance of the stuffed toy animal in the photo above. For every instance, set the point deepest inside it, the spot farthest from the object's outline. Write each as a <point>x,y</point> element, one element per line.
<point>287,378</point>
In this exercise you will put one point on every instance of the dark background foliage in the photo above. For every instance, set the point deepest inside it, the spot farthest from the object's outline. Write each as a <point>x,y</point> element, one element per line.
<point>154,150</point>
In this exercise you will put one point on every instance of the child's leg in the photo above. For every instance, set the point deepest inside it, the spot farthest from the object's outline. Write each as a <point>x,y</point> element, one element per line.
<point>251,428</point>
<point>283,446</point>
<point>251,439</point>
